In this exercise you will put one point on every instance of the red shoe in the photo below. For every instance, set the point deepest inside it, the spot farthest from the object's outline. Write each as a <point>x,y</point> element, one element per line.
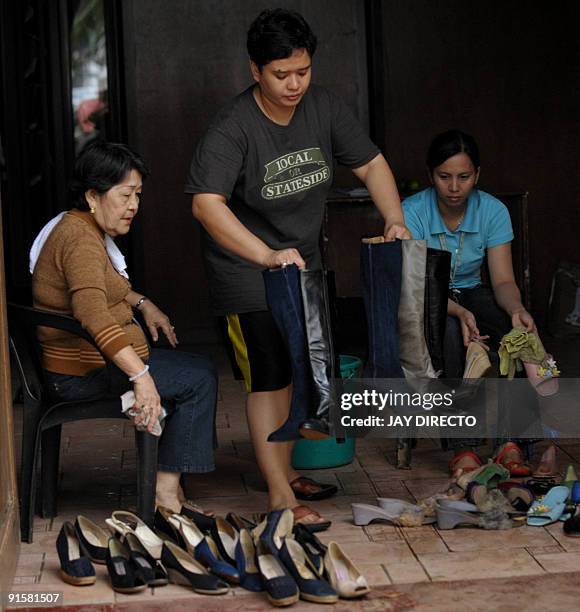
<point>517,467</point>
<point>464,470</point>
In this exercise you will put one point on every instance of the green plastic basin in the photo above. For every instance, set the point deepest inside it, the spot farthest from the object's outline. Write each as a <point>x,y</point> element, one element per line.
<point>318,454</point>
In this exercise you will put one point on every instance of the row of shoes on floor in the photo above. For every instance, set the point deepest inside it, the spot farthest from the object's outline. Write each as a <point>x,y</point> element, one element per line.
<point>488,501</point>
<point>209,554</point>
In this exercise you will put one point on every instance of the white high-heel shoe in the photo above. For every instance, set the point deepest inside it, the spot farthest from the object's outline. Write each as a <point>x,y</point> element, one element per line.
<point>343,575</point>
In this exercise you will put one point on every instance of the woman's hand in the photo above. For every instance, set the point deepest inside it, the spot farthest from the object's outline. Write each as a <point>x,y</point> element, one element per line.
<point>396,231</point>
<point>522,318</point>
<point>147,401</point>
<point>277,259</point>
<point>469,329</point>
<point>156,319</point>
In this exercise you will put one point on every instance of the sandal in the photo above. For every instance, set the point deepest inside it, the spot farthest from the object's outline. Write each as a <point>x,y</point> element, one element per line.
<point>302,512</point>
<point>517,467</point>
<point>124,523</point>
<point>463,455</point>
<point>490,474</point>
<point>307,489</point>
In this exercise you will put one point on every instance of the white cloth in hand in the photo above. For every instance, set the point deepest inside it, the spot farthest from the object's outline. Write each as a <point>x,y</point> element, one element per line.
<point>129,410</point>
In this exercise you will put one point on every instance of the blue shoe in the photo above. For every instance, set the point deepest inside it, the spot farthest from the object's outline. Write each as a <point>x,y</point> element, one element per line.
<point>202,548</point>
<point>250,578</point>
<point>183,569</point>
<point>75,568</point>
<point>311,586</point>
<point>274,528</point>
<point>281,589</point>
<point>575,493</point>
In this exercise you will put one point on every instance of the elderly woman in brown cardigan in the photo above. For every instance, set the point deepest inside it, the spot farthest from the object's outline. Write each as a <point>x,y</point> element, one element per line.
<point>79,271</point>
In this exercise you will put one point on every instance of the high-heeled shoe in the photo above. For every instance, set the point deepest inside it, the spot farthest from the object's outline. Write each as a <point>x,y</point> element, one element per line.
<point>152,570</point>
<point>165,528</point>
<point>274,528</point>
<point>75,568</point>
<point>239,522</point>
<point>183,569</point>
<point>311,586</point>
<point>281,588</point>
<point>124,522</point>
<point>225,537</point>
<point>192,511</point>
<point>93,539</point>
<point>312,546</point>
<point>343,575</point>
<point>202,548</point>
<point>124,575</point>
<point>246,562</point>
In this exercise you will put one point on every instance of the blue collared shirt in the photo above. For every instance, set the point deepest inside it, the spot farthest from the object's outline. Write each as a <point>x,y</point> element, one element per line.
<point>486,224</point>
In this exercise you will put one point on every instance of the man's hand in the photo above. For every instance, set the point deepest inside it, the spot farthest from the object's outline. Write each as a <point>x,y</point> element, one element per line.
<point>277,259</point>
<point>397,231</point>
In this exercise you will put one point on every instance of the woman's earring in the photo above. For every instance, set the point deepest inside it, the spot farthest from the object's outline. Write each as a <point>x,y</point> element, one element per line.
<point>92,210</point>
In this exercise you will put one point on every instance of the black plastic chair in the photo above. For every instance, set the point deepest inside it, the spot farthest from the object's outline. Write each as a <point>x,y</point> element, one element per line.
<point>43,419</point>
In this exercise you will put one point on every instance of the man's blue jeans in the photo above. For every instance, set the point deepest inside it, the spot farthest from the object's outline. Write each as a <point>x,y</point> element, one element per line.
<point>187,385</point>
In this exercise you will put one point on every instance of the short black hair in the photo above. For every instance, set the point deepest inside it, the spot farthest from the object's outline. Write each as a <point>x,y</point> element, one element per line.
<point>448,144</point>
<point>100,166</point>
<point>276,34</point>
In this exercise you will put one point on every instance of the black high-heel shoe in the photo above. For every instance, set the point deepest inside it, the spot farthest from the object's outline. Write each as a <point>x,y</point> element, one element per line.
<point>183,569</point>
<point>239,522</point>
<point>203,521</point>
<point>75,568</point>
<point>313,547</point>
<point>225,537</point>
<point>125,576</point>
<point>165,528</point>
<point>151,569</point>
<point>93,539</point>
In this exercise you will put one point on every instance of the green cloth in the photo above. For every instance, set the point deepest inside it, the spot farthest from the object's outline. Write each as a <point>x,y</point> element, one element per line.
<point>517,346</point>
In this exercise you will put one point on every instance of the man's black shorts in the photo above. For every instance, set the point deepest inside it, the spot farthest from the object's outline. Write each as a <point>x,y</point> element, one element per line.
<point>257,351</point>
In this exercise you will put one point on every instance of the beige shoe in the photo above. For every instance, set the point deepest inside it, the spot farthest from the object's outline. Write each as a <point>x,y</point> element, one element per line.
<point>477,363</point>
<point>343,575</point>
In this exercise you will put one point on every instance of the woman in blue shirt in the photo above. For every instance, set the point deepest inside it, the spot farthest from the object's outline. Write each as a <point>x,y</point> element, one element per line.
<point>455,216</point>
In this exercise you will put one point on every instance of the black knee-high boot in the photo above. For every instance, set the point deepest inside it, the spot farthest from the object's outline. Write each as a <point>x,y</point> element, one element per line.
<point>436,291</point>
<point>317,319</point>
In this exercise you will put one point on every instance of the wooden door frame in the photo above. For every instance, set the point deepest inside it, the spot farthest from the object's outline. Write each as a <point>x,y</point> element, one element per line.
<point>9,518</point>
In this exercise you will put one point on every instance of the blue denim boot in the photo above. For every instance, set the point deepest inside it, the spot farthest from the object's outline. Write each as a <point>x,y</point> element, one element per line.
<point>284,298</point>
<point>381,264</point>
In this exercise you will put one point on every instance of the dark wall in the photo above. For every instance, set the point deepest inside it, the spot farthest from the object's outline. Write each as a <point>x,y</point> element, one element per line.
<point>509,73</point>
<point>184,59</point>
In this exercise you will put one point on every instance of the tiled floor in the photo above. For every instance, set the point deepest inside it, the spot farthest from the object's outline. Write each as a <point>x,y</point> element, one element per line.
<point>410,569</point>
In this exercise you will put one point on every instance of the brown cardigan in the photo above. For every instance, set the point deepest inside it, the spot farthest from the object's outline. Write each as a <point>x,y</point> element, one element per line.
<point>74,276</point>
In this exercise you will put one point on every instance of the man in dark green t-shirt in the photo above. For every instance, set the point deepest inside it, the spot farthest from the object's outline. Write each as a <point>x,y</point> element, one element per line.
<point>259,178</point>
